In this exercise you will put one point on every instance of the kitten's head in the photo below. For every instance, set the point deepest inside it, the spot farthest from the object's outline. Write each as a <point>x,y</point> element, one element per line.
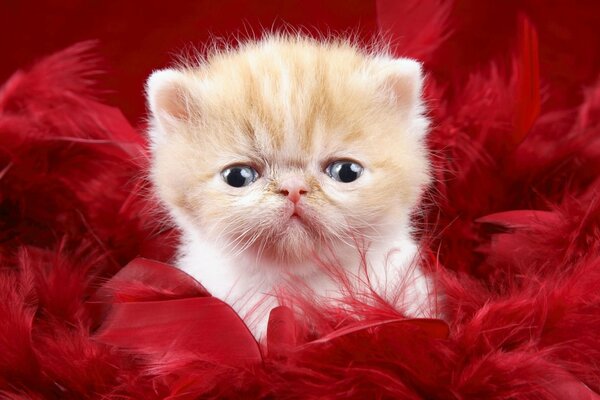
<point>289,145</point>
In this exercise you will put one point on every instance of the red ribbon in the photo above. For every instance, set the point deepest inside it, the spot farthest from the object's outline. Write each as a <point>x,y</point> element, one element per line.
<point>151,307</point>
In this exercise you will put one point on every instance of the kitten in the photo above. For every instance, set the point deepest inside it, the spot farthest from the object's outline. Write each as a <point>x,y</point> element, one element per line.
<point>286,154</point>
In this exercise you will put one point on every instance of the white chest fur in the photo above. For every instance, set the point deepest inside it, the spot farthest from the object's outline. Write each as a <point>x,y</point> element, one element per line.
<point>251,287</point>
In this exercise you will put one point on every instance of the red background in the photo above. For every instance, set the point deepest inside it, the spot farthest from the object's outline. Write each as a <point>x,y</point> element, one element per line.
<point>136,37</point>
<point>515,207</point>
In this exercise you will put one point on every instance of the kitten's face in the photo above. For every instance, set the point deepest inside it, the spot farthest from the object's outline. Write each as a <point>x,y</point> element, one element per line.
<point>286,148</point>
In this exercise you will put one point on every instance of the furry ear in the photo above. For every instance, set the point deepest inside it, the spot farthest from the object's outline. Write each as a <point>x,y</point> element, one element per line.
<point>402,78</point>
<point>170,97</point>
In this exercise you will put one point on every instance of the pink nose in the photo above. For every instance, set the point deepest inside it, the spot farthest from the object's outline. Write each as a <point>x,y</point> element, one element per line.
<point>293,188</point>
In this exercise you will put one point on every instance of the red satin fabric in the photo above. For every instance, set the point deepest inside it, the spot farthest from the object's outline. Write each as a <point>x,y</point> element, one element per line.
<point>152,307</point>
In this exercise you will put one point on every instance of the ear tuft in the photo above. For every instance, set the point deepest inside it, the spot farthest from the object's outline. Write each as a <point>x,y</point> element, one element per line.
<point>404,77</point>
<point>169,98</point>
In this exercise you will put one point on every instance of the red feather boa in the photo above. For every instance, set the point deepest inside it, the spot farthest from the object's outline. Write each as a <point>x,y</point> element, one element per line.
<point>513,232</point>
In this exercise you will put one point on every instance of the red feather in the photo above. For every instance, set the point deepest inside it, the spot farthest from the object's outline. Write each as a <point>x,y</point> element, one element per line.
<point>528,81</point>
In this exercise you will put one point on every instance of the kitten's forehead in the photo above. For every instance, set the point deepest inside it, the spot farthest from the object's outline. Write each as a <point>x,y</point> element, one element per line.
<point>287,98</point>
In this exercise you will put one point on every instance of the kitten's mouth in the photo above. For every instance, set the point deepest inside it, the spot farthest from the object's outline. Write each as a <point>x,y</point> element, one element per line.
<point>293,237</point>
<point>297,215</point>
<point>297,218</point>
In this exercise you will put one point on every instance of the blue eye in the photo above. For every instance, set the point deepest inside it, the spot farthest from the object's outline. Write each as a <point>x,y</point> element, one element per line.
<point>344,171</point>
<point>239,176</point>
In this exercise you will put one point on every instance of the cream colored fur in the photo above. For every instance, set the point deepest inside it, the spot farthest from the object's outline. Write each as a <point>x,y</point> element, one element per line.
<point>288,106</point>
